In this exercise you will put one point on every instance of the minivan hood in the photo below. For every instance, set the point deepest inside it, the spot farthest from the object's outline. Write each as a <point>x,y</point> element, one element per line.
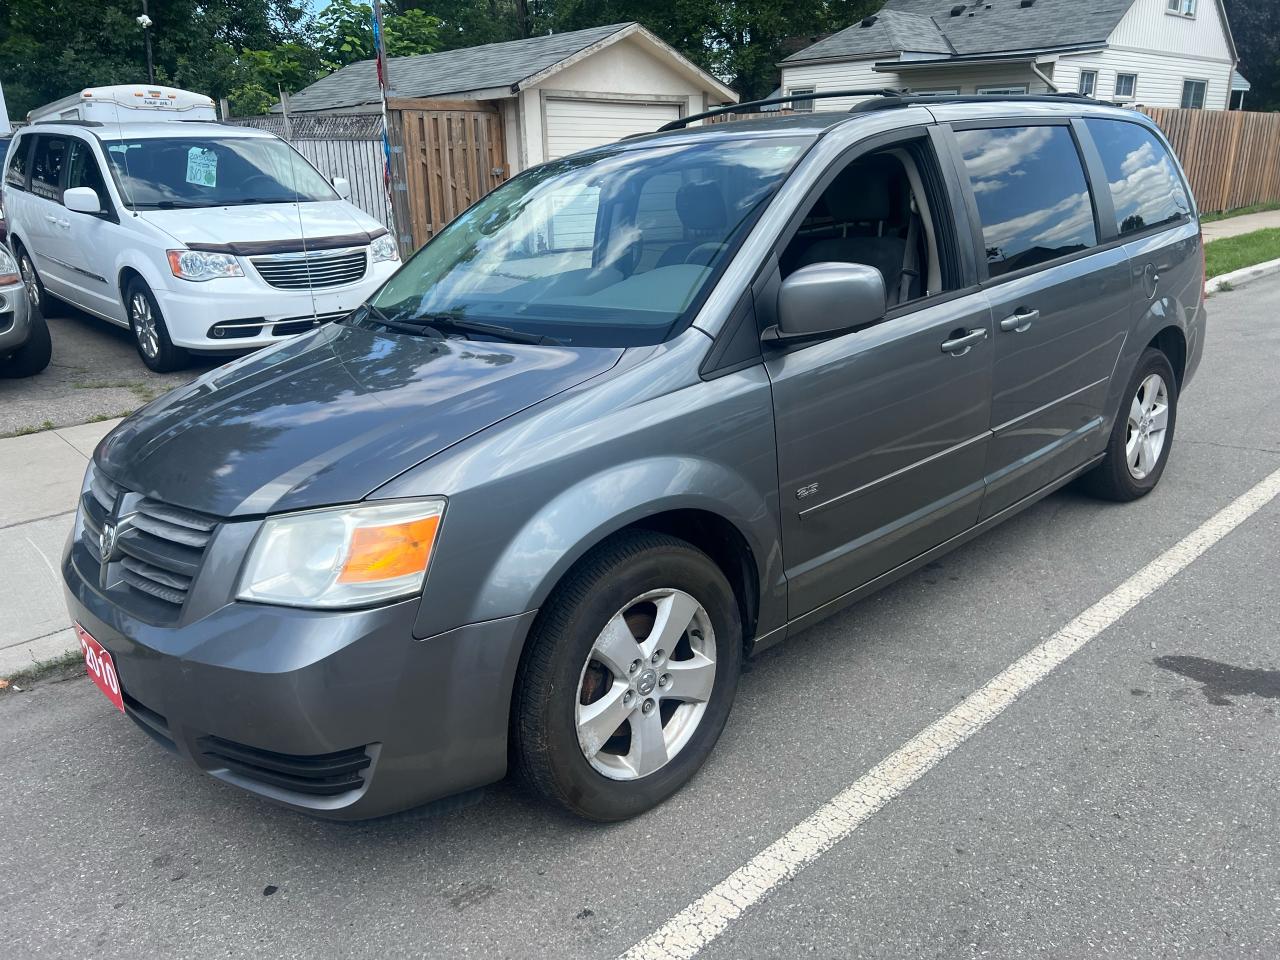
<point>263,222</point>
<point>330,416</point>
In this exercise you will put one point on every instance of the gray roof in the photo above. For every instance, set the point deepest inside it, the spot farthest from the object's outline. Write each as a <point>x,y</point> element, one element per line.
<point>992,27</point>
<point>449,72</point>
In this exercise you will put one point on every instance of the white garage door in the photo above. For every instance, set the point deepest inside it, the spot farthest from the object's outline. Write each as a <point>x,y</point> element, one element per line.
<point>574,125</point>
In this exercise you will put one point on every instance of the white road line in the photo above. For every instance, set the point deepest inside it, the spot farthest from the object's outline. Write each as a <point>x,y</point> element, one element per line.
<point>686,933</point>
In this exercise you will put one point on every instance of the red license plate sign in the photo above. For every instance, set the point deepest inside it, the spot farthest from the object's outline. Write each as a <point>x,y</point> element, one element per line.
<point>101,668</point>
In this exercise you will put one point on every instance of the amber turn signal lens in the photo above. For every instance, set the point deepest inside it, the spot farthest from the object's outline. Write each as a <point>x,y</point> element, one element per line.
<point>387,552</point>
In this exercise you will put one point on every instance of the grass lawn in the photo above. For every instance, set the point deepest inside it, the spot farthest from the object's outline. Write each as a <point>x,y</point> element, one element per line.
<point>1240,212</point>
<point>1232,253</point>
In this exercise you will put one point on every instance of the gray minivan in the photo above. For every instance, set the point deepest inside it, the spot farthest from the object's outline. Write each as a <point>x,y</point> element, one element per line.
<point>637,413</point>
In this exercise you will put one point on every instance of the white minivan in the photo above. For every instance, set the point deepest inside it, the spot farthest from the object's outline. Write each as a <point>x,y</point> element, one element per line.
<point>196,236</point>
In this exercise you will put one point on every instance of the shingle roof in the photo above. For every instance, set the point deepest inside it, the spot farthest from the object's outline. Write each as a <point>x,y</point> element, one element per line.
<point>994,26</point>
<point>449,72</point>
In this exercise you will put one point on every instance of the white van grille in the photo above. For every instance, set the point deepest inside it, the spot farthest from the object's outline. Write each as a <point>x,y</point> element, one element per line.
<point>317,268</point>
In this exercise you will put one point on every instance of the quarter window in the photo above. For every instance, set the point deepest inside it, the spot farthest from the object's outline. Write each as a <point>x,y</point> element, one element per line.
<point>47,161</point>
<point>1126,85</point>
<point>16,173</point>
<point>1088,82</point>
<point>1193,94</point>
<point>1032,196</point>
<point>1145,187</point>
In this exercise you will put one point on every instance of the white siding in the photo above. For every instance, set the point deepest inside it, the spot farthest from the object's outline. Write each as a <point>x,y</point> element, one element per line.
<point>578,124</point>
<point>856,74</point>
<point>1147,27</point>
<point>1159,76</point>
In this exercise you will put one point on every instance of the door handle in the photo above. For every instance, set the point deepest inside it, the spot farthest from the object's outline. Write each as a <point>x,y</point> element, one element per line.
<point>1019,321</point>
<point>961,343</point>
<point>51,218</point>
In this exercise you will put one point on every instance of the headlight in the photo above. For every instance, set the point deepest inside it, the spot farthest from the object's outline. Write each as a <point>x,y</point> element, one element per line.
<point>344,557</point>
<point>8,266</point>
<point>384,248</point>
<point>199,265</point>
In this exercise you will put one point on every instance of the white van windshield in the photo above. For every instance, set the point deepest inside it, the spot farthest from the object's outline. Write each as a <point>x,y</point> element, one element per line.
<point>608,248</point>
<point>163,173</point>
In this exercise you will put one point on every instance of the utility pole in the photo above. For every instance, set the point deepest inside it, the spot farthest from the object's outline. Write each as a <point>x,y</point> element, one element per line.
<point>145,22</point>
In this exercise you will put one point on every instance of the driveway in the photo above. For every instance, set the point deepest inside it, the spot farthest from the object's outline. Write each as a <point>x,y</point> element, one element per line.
<point>95,374</point>
<point>1121,802</point>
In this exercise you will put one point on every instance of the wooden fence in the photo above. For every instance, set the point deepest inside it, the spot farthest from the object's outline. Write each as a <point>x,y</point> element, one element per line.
<point>1232,158</point>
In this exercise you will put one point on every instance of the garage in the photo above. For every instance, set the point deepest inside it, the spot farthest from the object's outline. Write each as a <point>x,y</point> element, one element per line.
<point>578,124</point>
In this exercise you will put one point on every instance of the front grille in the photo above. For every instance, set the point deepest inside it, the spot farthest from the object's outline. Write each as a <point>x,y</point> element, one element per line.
<point>157,547</point>
<point>320,775</point>
<point>309,271</point>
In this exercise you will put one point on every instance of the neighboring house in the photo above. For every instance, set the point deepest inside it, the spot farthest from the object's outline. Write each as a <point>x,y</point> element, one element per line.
<point>1156,53</point>
<point>555,94</point>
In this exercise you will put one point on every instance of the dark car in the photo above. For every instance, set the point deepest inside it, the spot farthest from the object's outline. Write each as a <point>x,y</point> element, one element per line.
<point>635,415</point>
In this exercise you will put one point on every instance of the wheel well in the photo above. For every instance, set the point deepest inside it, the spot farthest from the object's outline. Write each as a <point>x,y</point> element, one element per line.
<point>725,545</point>
<point>127,274</point>
<point>1171,342</point>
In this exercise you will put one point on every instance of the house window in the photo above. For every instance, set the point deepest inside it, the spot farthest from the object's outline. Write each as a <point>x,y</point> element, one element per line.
<point>1005,91</point>
<point>1193,94</point>
<point>801,106</point>
<point>1088,82</point>
<point>1181,8</point>
<point>1126,85</point>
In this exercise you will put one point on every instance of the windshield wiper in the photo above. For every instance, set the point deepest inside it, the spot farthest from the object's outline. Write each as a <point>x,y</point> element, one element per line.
<point>444,321</point>
<point>417,329</point>
<point>168,205</point>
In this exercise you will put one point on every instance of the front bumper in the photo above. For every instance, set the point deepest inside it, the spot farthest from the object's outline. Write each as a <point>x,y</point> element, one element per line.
<point>242,313</point>
<point>339,714</point>
<point>15,317</point>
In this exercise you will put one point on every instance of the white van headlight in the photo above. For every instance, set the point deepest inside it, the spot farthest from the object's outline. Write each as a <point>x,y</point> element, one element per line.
<point>343,557</point>
<point>200,265</point>
<point>384,248</point>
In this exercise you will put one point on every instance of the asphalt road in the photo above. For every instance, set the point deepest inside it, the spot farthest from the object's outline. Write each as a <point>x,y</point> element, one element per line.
<point>1124,806</point>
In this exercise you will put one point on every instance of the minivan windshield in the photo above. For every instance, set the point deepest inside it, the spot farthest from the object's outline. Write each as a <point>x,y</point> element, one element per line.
<point>162,173</point>
<point>610,248</point>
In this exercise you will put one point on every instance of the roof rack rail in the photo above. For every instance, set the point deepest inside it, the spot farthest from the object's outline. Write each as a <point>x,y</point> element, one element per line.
<point>751,106</point>
<point>72,121</point>
<point>905,98</point>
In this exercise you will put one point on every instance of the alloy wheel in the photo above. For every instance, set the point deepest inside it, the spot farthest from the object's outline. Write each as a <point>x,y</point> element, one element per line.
<point>645,685</point>
<point>144,325</point>
<point>1148,423</point>
<point>30,280</point>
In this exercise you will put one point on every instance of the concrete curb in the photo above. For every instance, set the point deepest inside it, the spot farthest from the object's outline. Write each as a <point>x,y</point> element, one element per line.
<point>1236,277</point>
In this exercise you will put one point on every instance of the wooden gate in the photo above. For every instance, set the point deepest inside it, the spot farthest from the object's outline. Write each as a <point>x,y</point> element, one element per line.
<point>447,154</point>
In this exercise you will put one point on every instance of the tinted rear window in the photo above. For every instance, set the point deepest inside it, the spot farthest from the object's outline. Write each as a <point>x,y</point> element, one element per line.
<point>1144,183</point>
<point>16,173</point>
<point>1033,200</point>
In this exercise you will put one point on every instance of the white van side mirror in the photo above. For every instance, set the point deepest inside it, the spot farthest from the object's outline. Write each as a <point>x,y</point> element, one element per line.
<point>82,200</point>
<point>341,185</point>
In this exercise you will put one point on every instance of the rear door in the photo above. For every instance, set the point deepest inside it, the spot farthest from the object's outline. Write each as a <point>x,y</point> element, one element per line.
<point>45,218</point>
<point>1059,298</point>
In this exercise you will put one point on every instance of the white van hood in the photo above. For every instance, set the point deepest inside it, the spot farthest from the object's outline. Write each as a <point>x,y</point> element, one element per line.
<point>259,223</point>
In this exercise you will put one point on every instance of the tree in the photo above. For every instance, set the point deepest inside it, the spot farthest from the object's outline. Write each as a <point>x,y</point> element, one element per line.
<point>344,33</point>
<point>1256,29</point>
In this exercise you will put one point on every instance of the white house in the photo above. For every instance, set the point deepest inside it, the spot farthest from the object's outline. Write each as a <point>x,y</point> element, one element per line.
<point>1157,53</point>
<point>557,94</point>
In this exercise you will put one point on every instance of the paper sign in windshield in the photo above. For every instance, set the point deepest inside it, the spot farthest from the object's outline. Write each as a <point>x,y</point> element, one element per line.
<point>202,167</point>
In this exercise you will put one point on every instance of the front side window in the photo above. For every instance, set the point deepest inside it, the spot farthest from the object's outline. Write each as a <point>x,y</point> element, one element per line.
<point>1145,187</point>
<point>801,106</point>
<point>1193,94</point>
<point>164,173</point>
<point>1088,82</point>
<point>15,173</point>
<point>1033,200</point>
<point>611,248</point>
<point>84,171</point>
<point>1126,84</point>
<point>47,161</point>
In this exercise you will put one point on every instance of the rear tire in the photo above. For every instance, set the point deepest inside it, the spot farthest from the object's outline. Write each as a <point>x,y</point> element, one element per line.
<point>34,355</point>
<point>1142,436</point>
<point>150,333</point>
<point>575,685</point>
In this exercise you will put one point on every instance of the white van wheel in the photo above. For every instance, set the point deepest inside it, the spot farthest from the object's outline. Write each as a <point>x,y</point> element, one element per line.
<point>150,335</point>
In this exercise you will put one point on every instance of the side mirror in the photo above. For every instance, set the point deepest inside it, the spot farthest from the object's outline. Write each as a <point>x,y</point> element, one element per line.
<point>82,200</point>
<point>825,298</point>
<point>343,188</point>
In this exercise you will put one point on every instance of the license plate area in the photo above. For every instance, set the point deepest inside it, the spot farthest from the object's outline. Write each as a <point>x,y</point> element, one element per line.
<point>100,667</point>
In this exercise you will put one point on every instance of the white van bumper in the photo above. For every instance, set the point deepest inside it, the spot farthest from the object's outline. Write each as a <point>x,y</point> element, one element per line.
<point>243,313</point>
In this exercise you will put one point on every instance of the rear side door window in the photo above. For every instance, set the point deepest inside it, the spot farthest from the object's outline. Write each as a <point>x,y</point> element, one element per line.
<point>1146,189</point>
<point>48,161</point>
<point>1032,197</point>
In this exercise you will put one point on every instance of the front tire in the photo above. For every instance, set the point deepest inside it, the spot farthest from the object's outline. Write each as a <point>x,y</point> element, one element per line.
<point>34,355</point>
<point>150,332</point>
<point>629,678</point>
<point>1140,441</point>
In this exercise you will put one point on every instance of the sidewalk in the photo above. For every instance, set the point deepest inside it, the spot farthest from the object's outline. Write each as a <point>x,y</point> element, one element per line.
<point>40,475</point>
<point>1234,226</point>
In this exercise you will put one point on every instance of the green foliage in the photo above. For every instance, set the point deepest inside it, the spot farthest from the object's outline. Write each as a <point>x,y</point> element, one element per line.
<point>1244,250</point>
<point>344,33</point>
<point>1256,28</point>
